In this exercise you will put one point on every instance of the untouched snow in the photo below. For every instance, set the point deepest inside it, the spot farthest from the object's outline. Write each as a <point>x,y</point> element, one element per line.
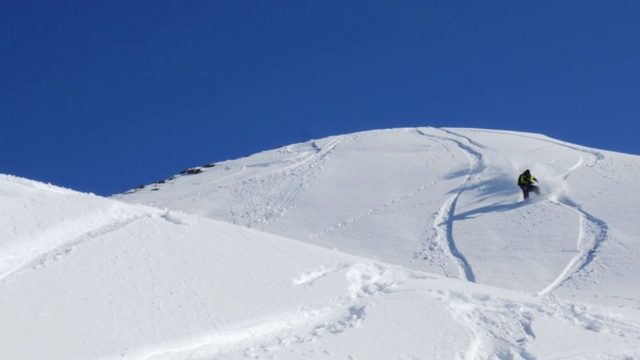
<point>390,244</point>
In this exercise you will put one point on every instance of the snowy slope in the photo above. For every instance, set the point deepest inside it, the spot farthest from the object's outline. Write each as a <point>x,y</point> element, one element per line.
<point>95,278</point>
<point>394,244</point>
<point>442,201</point>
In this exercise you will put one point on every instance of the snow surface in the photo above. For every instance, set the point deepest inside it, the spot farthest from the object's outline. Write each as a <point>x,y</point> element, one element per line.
<point>390,244</point>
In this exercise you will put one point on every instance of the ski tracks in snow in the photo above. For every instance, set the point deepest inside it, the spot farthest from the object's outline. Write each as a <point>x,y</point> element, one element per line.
<point>309,323</point>
<point>443,239</point>
<point>440,243</point>
<point>57,242</point>
<point>503,327</point>
<point>372,211</point>
<point>283,185</point>
<point>500,323</point>
<point>440,238</point>
<point>593,233</point>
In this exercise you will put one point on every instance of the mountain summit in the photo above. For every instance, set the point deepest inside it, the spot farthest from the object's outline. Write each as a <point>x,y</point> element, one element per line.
<point>391,244</point>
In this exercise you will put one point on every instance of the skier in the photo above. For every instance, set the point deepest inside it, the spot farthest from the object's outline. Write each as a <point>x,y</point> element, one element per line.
<point>525,181</point>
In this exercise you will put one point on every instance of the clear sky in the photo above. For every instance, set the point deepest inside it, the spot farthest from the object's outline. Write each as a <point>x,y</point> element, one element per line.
<point>102,96</point>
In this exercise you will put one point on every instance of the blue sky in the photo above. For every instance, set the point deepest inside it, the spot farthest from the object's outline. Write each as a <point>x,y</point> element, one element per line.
<point>102,96</point>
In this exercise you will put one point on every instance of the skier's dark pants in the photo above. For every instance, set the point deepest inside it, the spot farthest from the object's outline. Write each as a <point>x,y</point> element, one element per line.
<point>526,189</point>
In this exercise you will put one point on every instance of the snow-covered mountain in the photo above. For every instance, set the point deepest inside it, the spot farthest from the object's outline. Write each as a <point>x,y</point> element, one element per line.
<point>390,244</point>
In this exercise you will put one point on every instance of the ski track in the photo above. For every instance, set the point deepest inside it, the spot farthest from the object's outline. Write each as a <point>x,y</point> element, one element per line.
<point>307,324</point>
<point>304,171</point>
<point>309,278</point>
<point>300,174</point>
<point>593,231</point>
<point>494,334</point>
<point>371,211</point>
<point>59,245</point>
<point>441,234</point>
<point>502,328</point>
<point>306,162</point>
<point>597,155</point>
<point>443,225</point>
<point>500,325</point>
<point>444,234</point>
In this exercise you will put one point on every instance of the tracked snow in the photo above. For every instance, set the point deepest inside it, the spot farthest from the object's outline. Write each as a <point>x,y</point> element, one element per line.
<point>390,244</point>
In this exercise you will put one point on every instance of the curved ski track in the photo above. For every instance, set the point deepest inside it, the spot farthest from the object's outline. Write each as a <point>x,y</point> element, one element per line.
<point>593,230</point>
<point>593,233</point>
<point>59,245</point>
<point>500,325</point>
<point>440,237</point>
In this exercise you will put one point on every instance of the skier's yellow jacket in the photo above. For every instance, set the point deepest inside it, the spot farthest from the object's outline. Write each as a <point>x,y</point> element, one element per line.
<point>526,179</point>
